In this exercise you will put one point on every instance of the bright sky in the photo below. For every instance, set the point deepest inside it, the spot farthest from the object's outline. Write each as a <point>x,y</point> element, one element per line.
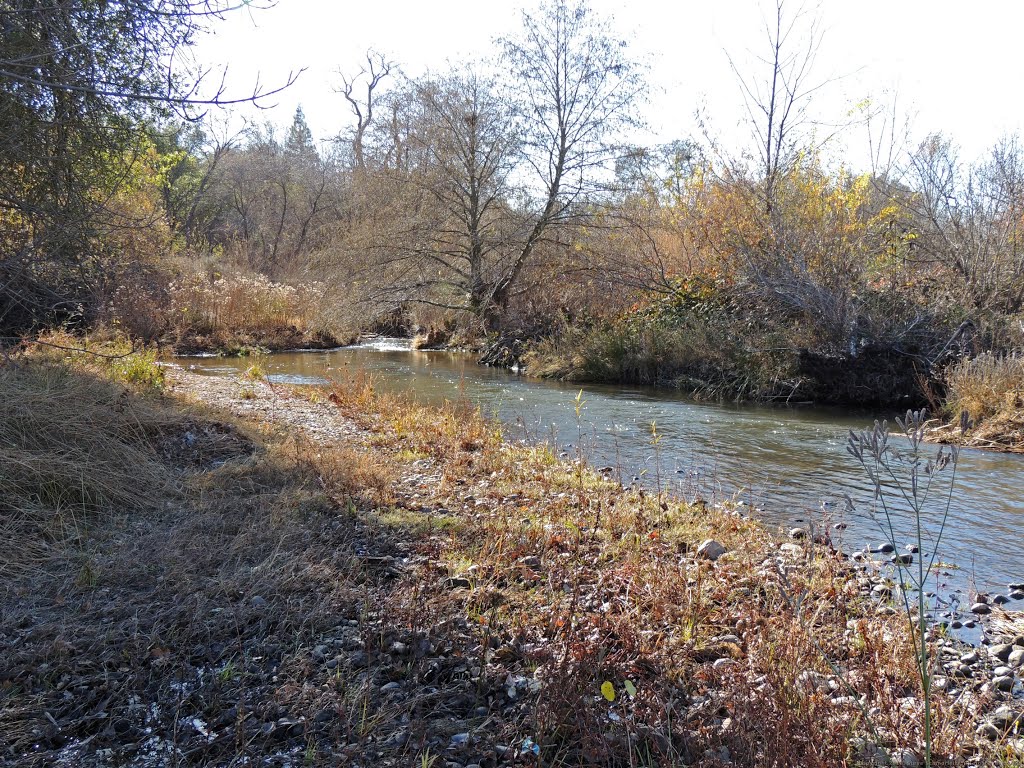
<point>952,68</point>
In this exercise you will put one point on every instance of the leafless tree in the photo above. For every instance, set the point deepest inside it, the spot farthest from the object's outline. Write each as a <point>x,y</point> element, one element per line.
<point>776,103</point>
<point>368,81</point>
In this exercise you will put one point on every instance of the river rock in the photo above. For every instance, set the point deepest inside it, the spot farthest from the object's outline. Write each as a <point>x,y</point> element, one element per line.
<point>1004,718</point>
<point>1016,658</point>
<point>884,548</point>
<point>711,550</point>
<point>981,608</point>
<point>1016,586</point>
<point>988,731</point>
<point>881,590</point>
<point>797,533</point>
<point>902,559</point>
<point>1002,671</point>
<point>1001,651</point>
<point>1017,594</point>
<point>1003,683</point>
<point>1000,599</point>
<point>906,758</point>
<point>971,657</point>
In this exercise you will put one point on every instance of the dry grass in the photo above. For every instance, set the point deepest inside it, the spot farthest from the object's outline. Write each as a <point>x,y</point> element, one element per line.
<point>234,312</point>
<point>282,588</point>
<point>572,582</point>
<point>72,447</point>
<point>986,386</point>
<point>990,390</point>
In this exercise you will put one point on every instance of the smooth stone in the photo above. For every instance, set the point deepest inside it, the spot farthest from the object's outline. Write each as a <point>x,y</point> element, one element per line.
<point>1004,718</point>
<point>1016,658</point>
<point>1004,684</point>
<point>258,602</point>
<point>797,533</point>
<point>1000,599</point>
<point>1016,586</point>
<point>981,608</point>
<point>988,731</point>
<point>793,550</point>
<point>971,657</point>
<point>902,559</point>
<point>711,550</point>
<point>1002,671</point>
<point>913,548</point>
<point>885,548</point>
<point>882,590</point>
<point>1001,651</point>
<point>1017,594</point>
<point>905,758</point>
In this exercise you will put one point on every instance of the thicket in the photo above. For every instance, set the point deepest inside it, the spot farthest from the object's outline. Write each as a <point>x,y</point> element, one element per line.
<point>470,206</point>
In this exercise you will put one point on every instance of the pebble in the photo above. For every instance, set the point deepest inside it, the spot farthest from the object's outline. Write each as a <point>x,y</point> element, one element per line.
<point>1001,651</point>
<point>797,533</point>
<point>971,657</point>
<point>884,548</point>
<point>988,731</point>
<point>1017,594</point>
<point>1004,718</point>
<point>906,758</point>
<point>1016,658</point>
<point>392,686</point>
<point>981,608</point>
<point>1003,683</point>
<point>258,602</point>
<point>711,550</point>
<point>359,659</point>
<point>1000,599</point>
<point>902,559</point>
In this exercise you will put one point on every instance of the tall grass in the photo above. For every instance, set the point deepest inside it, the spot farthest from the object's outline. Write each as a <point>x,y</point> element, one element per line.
<point>986,386</point>
<point>72,446</point>
<point>216,310</point>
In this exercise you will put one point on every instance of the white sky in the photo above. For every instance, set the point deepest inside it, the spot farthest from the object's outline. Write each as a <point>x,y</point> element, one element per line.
<point>953,68</point>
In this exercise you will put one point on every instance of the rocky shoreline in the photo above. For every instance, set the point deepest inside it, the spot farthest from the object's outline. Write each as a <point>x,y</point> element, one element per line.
<point>351,579</point>
<point>966,674</point>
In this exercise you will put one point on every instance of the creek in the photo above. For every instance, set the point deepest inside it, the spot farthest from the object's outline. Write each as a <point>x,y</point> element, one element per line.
<point>787,465</point>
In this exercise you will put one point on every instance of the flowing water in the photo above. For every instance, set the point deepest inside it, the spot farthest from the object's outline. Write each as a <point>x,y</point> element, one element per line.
<point>789,465</point>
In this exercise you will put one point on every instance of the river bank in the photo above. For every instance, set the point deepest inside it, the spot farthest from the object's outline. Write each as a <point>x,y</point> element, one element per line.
<point>343,577</point>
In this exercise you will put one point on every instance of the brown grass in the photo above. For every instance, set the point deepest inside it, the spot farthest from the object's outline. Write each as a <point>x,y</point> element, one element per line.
<point>990,390</point>
<point>72,447</point>
<point>278,586</point>
<point>234,312</point>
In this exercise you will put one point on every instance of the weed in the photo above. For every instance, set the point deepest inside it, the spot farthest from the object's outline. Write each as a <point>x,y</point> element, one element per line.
<point>904,481</point>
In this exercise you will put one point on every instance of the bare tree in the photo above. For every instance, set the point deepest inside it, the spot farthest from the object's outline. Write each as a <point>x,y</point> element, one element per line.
<point>574,91</point>
<point>969,219</point>
<point>776,104</point>
<point>368,80</point>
